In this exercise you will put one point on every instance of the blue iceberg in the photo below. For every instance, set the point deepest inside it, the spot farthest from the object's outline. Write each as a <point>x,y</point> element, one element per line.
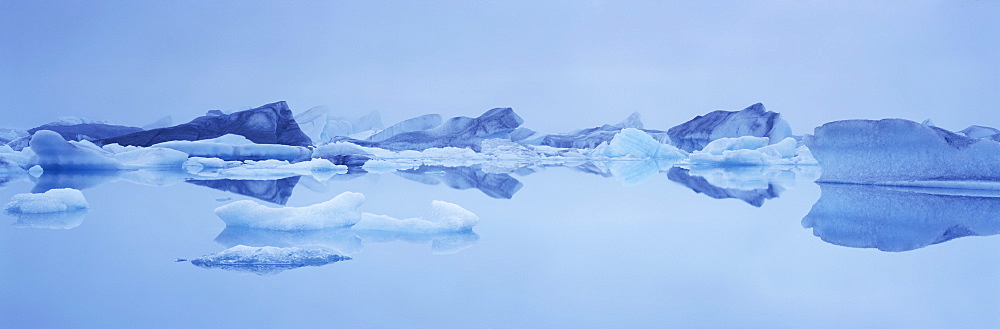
<point>902,152</point>
<point>461,132</point>
<point>421,123</point>
<point>751,121</point>
<point>898,218</point>
<point>266,260</point>
<point>269,124</point>
<point>320,124</point>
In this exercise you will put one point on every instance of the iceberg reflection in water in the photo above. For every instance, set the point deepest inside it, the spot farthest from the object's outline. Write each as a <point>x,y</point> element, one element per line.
<point>900,219</point>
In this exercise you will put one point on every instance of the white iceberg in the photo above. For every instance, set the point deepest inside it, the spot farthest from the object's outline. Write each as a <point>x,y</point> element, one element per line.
<point>340,211</point>
<point>237,147</point>
<point>53,209</point>
<point>444,217</point>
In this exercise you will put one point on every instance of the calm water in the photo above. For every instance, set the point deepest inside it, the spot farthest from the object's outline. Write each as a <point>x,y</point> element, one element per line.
<point>567,249</point>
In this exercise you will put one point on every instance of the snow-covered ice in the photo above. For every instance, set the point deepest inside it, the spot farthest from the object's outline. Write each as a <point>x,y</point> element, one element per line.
<point>53,209</point>
<point>340,211</point>
<point>444,217</point>
<point>751,151</point>
<point>266,260</point>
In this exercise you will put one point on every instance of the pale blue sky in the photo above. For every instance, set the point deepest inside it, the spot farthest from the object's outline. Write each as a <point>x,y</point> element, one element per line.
<point>561,65</point>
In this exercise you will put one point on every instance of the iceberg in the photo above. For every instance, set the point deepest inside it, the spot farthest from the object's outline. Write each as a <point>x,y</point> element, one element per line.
<point>265,169</point>
<point>163,122</point>
<point>7,135</point>
<point>269,124</point>
<point>266,260</point>
<point>975,131</point>
<point>342,153</point>
<point>592,137</point>
<point>321,125</point>
<point>751,151</point>
<point>898,219</point>
<point>52,152</point>
<point>236,147</point>
<point>901,152</point>
<point>86,131</point>
<point>54,209</point>
<point>754,121</point>
<point>340,211</point>
<point>634,143</point>
<point>444,217</point>
<point>460,132</point>
<point>421,123</point>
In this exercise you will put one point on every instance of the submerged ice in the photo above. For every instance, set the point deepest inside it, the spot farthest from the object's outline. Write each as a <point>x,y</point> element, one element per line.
<point>266,260</point>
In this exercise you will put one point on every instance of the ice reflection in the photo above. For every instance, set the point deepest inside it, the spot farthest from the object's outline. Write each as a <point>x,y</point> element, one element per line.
<point>900,219</point>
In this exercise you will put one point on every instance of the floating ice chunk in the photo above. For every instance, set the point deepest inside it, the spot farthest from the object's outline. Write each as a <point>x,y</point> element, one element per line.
<point>151,158</point>
<point>458,132</point>
<point>269,124</point>
<point>266,260</point>
<point>57,200</point>
<point>899,219</point>
<point>421,123</point>
<point>444,217</point>
<point>748,151</point>
<point>54,152</point>
<point>265,169</point>
<point>343,153</point>
<point>236,147</point>
<point>321,125</point>
<point>54,209</point>
<point>634,143</point>
<point>36,171</point>
<point>14,158</point>
<point>751,121</point>
<point>337,212</point>
<point>897,150</point>
<point>979,131</point>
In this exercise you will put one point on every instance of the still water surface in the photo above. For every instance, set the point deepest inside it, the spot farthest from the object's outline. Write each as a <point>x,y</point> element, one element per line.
<point>567,249</point>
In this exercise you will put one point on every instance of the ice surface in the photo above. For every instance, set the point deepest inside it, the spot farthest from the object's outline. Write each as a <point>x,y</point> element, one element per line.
<point>86,131</point>
<point>342,153</point>
<point>266,260</point>
<point>268,124</point>
<point>320,124</point>
<point>634,143</point>
<point>265,169</point>
<point>58,200</point>
<point>340,211</point>
<point>54,209</point>
<point>236,147</point>
<point>444,217</point>
<point>421,123</point>
<point>896,151</point>
<point>751,151</point>
<point>52,152</point>
<point>7,135</point>
<point>751,121</point>
<point>979,131</point>
<point>899,219</point>
<point>590,138</point>
<point>458,132</point>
